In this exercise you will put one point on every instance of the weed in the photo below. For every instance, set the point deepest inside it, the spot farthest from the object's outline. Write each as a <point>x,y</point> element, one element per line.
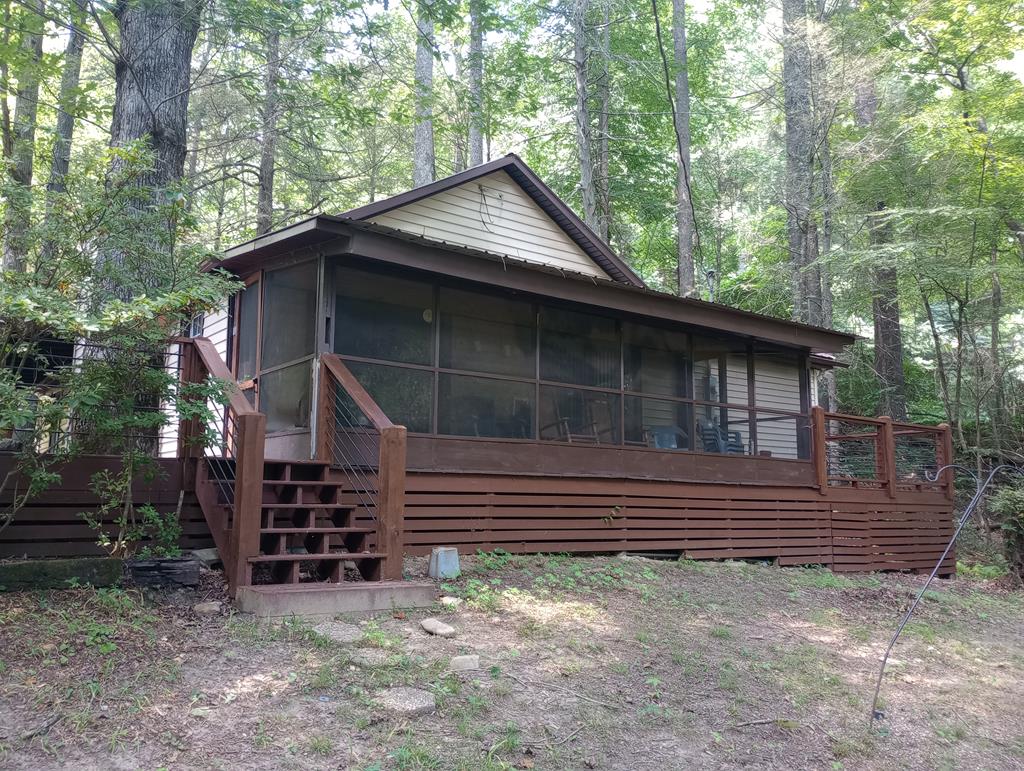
<point>412,757</point>
<point>721,632</point>
<point>487,562</point>
<point>261,739</point>
<point>375,637</point>
<point>728,677</point>
<point>980,571</point>
<point>321,745</point>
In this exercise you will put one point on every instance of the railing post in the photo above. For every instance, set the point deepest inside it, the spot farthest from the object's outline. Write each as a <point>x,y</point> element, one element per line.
<point>945,449</point>
<point>245,525</point>
<point>324,412</point>
<point>820,448</point>
<point>885,452</point>
<point>391,501</point>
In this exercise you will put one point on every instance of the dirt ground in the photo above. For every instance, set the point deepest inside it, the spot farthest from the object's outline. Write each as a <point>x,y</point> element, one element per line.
<point>585,663</point>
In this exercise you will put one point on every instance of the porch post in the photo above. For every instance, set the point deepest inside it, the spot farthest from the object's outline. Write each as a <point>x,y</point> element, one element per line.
<point>885,449</point>
<point>245,525</point>
<point>946,457</point>
<point>820,448</point>
<point>391,501</point>
<point>324,412</point>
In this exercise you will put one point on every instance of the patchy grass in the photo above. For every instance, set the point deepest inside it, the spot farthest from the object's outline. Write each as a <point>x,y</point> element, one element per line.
<point>583,661</point>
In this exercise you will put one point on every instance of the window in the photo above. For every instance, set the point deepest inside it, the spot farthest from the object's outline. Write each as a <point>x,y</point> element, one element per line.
<point>478,406</point>
<point>405,395</point>
<point>484,333</point>
<point>722,430</point>
<point>579,348</point>
<point>778,436</point>
<point>248,324</point>
<point>289,314</point>
<point>658,423</point>
<point>382,317</point>
<point>578,415</point>
<point>654,360</point>
<point>285,397</point>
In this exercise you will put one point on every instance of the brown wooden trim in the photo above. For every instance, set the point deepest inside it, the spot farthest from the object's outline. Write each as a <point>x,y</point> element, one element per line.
<point>886,450</point>
<point>215,366</point>
<point>947,459</point>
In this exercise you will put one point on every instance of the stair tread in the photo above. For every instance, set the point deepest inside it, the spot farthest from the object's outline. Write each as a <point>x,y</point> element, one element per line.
<point>315,530</point>
<point>300,482</point>
<point>363,555</point>
<point>297,462</point>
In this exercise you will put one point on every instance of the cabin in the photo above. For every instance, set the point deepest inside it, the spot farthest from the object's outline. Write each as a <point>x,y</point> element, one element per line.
<point>467,364</point>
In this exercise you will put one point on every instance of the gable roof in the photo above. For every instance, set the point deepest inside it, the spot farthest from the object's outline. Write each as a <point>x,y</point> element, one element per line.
<point>535,189</point>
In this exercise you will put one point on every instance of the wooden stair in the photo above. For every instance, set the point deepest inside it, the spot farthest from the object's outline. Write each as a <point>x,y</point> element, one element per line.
<point>307,532</point>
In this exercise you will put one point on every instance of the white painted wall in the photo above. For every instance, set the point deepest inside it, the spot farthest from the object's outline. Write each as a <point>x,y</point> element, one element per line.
<point>777,386</point>
<point>492,214</point>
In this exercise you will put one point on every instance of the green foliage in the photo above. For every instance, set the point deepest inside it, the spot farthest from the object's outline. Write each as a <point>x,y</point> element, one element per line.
<point>1008,503</point>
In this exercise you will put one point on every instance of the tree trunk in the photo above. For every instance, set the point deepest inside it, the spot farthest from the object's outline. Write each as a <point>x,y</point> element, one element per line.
<point>476,82</point>
<point>1000,419</point>
<point>152,72</point>
<point>268,140</point>
<point>69,80</point>
<point>19,207</point>
<point>423,163</point>
<point>796,81</point>
<point>685,224</point>
<point>604,106</point>
<point>583,124</point>
<point>885,306</point>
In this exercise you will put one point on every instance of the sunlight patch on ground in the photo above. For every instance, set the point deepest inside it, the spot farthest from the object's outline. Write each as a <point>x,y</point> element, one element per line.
<point>548,611</point>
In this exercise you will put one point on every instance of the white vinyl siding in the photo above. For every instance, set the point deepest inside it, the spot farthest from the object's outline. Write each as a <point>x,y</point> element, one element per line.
<point>215,327</point>
<point>777,387</point>
<point>495,215</point>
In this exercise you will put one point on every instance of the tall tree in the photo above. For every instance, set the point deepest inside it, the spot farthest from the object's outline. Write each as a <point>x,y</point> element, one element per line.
<point>152,75</point>
<point>26,110</point>
<point>423,161</point>
<point>796,84</point>
<point>584,132</point>
<point>69,83</point>
<point>268,137</point>
<point>686,226</point>
<point>476,80</point>
<point>604,97</point>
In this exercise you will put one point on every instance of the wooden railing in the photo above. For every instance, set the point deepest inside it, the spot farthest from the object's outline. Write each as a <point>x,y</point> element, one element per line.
<point>355,436</point>
<point>228,461</point>
<point>878,453</point>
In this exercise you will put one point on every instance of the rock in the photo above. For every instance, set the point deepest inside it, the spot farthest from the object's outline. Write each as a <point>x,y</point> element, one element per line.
<point>208,557</point>
<point>433,626</point>
<point>211,608</point>
<point>369,657</point>
<point>339,631</point>
<point>465,663</point>
<point>450,602</point>
<point>164,572</point>
<point>408,702</point>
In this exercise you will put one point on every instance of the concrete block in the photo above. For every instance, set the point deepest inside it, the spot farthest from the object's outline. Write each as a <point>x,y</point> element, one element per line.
<point>444,562</point>
<point>327,600</point>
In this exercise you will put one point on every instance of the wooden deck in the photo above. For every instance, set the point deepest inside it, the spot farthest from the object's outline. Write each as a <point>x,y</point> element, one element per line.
<point>868,499</point>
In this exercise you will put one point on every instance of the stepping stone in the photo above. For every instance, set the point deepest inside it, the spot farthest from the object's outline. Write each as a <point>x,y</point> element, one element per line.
<point>408,702</point>
<point>439,628</point>
<point>339,631</point>
<point>369,657</point>
<point>465,663</point>
<point>450,602</point>
<point>211,608</point>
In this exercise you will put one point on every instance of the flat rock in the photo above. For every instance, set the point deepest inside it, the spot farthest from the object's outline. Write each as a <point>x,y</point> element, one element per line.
<point>465,663</point>
<point>450,602</point>
<point>409,702</point>
<point>208,557</point>
<point>441,629</point>
<point>339,631</point>
<point>211,608</point>
<point>369,657</point>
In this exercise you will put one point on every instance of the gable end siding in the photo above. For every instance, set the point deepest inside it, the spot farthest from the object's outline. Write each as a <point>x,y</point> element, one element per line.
<point>492,214</point>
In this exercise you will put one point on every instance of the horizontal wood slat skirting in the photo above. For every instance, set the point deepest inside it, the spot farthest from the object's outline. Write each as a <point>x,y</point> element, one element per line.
<point>49,526</point>
<point>848,530</point>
